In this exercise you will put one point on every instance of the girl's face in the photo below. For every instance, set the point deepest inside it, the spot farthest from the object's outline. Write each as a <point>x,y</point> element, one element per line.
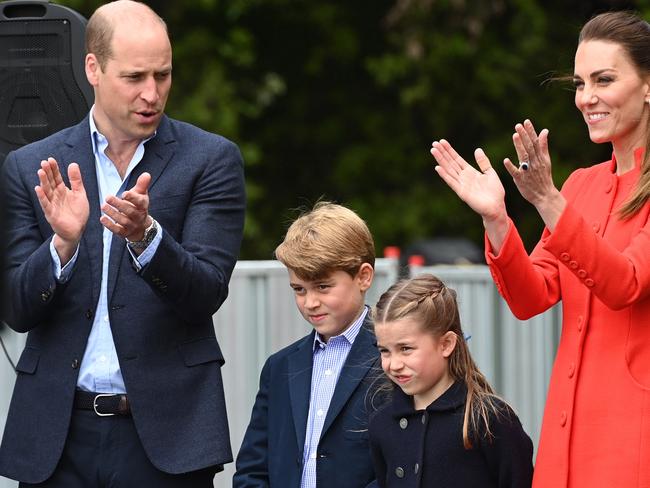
<point>415,360</point>
<point>611,94</point>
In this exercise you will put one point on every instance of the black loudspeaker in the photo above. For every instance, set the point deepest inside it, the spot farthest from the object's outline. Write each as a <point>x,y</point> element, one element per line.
<point>43,85</point>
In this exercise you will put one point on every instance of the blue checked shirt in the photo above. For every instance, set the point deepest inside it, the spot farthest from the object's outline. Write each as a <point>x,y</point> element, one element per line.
<point>100,369</point>
<point>328,361</point>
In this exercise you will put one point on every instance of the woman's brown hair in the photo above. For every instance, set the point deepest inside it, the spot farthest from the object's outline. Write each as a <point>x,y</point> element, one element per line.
<point>632,33</point>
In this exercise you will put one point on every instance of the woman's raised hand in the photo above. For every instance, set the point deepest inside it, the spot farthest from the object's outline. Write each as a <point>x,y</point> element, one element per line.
<point>481,189</point>
<point>536,182</point>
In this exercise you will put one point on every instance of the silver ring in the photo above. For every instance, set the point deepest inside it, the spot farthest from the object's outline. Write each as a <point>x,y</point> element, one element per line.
<point>523,165</point>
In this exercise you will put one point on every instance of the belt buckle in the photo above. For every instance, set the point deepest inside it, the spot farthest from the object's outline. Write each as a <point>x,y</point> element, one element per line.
<point>95,404</point>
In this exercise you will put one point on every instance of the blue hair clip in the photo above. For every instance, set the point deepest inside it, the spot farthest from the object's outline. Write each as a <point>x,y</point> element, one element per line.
<point>468,337</point>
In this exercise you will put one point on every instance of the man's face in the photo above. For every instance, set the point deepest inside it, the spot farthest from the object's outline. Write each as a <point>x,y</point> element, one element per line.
<point>132,89</point>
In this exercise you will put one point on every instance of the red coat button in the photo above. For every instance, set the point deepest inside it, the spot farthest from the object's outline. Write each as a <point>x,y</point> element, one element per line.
<point>572,370</point>
<point>582,274</point>
<point>563,418</point>
<point>565,256</point>
<point>589,282</point>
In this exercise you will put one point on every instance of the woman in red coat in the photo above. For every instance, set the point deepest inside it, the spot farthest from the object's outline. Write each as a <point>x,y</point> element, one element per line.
<point>594,255</point>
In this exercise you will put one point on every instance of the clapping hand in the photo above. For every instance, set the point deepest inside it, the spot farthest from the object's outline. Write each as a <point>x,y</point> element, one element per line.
<point>128,216</point>
<point>66,209</point>
<point>481,189</point>
<point>535,183</point>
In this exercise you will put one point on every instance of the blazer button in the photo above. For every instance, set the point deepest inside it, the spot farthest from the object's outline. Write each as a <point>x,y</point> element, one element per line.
<point>403,423</point>
<point>75,363</point>
<point>565,256</point>
<point>399,472</point>
<point>416,468</point>
<point>573,265</point>
<point>582,274</point>
<point>563,418</point>
<point>89,314</point>
<point>596,226</point>
<point>589,282</point>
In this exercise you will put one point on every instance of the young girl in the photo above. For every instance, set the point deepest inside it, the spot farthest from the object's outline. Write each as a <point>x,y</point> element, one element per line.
<point>444,426</point>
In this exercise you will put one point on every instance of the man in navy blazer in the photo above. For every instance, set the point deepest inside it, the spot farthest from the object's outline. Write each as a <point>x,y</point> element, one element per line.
<point>309,425</point>
<point>123,232</point>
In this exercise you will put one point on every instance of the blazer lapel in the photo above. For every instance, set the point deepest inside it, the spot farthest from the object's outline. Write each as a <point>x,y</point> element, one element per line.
<point>81,152</point>
<point>361,359</point>
<point>299,369</point>
<point>158,152</point>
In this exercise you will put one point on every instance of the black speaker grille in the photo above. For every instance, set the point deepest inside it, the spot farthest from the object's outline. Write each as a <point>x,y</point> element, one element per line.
<point>39,94</point>
<point>25,50</point>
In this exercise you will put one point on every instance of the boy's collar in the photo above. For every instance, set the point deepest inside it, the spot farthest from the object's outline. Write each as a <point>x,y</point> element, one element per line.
<point>350,333</point>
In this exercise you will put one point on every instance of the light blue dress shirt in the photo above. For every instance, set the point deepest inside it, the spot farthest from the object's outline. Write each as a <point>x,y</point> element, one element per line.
<point>328,361</point>
<point>100,368</point>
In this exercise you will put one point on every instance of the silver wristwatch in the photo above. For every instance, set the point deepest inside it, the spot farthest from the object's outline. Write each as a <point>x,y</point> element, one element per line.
<point>149,233</point>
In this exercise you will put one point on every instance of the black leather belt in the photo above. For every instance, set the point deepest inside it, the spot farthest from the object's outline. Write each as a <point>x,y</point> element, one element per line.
<point>103,404</point>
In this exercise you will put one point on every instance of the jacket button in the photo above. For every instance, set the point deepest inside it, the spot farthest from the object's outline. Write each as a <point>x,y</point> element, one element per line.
<point>399,472</point>
<point>589,282</point>
<point>403,423</point>
<point>565,256</point>
<point>582,274</point>
<point>572,370</point>
<point>45,296</point>
<point>89,314</point>
<point>596,226</point>
<point>416,468</point>
<point>424,418</point>
<point>75,363</point>
<point>580,321</point>
<point>573,265</point>
<point>563,418</point>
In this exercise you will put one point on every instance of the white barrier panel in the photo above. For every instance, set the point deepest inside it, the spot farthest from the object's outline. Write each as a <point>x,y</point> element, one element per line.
<point>260,317</point>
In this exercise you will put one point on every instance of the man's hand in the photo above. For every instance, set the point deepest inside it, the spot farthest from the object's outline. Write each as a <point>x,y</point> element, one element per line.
<point>66,209</point>
<point>128,216</point>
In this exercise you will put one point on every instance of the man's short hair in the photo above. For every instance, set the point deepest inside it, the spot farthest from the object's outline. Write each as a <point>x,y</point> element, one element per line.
<point>101,26</point>
<point>328,238</point>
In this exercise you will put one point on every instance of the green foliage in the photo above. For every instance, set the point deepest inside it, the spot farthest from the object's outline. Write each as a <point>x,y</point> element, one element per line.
<point>342,100</point>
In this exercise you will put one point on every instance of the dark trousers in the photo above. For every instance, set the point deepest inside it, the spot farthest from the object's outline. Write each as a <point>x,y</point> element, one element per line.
<point>105,452</point>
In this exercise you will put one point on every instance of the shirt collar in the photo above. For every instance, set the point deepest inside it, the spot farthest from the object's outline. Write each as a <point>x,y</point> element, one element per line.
<point>99,141</point>
<point>349,334</point>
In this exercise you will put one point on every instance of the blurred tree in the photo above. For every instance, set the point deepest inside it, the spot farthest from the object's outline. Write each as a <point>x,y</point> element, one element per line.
<point>342,100</point>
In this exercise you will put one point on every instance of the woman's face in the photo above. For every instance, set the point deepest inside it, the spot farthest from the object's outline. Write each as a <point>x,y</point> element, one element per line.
<point>611,94</point>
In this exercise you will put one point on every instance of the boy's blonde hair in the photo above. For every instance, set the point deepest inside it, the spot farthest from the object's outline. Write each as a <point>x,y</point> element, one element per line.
<point>328,238</point>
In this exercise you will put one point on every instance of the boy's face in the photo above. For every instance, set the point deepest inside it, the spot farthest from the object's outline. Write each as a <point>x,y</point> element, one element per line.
<point>332,303</point>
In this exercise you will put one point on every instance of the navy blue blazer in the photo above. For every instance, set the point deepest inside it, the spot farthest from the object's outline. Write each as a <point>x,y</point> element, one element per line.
<point>161,317</point>
<point>272,449</point>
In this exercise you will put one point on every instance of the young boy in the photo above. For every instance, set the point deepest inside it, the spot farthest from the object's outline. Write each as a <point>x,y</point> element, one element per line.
<point>309,425</point>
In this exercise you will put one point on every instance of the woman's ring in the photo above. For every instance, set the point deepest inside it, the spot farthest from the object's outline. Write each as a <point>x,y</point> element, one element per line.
<point>523,165</point>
